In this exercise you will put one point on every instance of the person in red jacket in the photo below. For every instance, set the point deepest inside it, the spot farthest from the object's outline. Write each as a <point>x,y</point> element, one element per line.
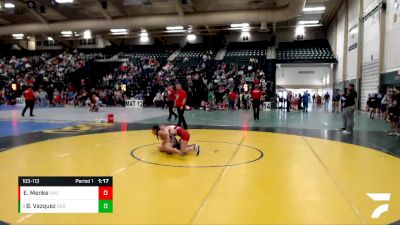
<point>29,96</point>
<point>170,101</point>
<point>232,100</point>
<point>256,96</point>
<point>180,103</point>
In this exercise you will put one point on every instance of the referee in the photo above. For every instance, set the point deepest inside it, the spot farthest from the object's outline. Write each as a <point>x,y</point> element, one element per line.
<point>29,101</point>
<point>256,96</point>
<point>180,104</point>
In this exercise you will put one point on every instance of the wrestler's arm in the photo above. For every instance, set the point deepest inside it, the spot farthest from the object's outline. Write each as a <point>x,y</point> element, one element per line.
<point>163,136</point>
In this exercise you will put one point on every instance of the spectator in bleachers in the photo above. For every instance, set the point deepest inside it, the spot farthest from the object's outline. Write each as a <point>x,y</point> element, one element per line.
<point>158,99</point>
<point>232,100</point>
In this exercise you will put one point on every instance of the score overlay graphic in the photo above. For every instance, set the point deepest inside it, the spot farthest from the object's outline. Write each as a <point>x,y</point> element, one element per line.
<point>65,195</point>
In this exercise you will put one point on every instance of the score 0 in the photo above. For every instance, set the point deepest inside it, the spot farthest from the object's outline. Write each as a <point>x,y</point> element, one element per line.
<point>105,199</point>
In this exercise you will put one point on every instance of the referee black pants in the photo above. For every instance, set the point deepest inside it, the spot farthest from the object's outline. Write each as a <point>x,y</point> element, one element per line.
<point>28,104</point>
<point>256,109</point>
<point>171,109</point>
<point>181,118</point>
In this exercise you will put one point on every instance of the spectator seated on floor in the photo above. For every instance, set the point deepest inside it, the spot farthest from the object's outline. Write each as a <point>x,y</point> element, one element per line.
<point>94,104</point>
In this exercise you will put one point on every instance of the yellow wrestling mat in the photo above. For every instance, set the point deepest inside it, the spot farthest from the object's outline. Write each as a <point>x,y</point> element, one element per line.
<point>240,177</point>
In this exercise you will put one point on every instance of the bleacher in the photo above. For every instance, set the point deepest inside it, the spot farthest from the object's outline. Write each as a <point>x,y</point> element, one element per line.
<point>138,52</point>
<point>192,54</point>
<point>106,52</point>
<point>315,51</point>
<point>241,52</point>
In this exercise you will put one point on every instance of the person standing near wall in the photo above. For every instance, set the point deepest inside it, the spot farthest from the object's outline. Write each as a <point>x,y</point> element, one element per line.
<point>327,98</point>
<point>349,109</point>
<point>306,98</point>
<point>29,96</point>
<point>256,96</point>
<point>335,102</point>
<point>180,103</point>
<point>288,101</point>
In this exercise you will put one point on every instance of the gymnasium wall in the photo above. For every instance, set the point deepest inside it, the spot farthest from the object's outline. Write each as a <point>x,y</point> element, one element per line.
<point>283,35</point>
<point>371,38</point>
<point>379,47</point>
<point>303,76</point>
<point>331,35</point>
<point>352,46</point>
<point>392,39</point>
<point>370,74</point>
<point>340,48</point>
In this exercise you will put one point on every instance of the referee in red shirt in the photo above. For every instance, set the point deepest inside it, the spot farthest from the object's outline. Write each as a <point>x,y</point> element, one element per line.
<point>180,103</point>
<point>256,96</point>
<point>29,101</point>
<point>170,101</point>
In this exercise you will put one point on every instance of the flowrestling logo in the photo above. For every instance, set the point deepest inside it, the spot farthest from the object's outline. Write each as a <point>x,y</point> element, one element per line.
<point>379,197</point>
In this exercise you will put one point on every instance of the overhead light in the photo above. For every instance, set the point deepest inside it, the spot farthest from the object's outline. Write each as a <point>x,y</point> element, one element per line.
<point>31,4</point>
<point>354,30</point>
<point>300,31</point>
<point>144,34</point>
<point>17,35</point>
<point>175,31</point>
<point>9,5</point>
<point>53,3</point>
<point>143,31</point>
<point>119,33</point>
<point>240,25</point>
<point>87,34</point>
<point>314,9</point>
<point>144,39</point>
<point>174,28</point>
<point>191,37</point>
<point>118,30</point>
<point>307,22</point>
<point>50,39</point>
<point>64,1</point>
<point>66,32</point>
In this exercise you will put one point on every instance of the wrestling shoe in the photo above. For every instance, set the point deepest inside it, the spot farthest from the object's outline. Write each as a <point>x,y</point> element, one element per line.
<point>197,149</point>
<point>346,132</point>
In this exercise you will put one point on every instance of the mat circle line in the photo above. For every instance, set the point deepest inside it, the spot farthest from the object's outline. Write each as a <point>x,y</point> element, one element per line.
<point>261,155</point>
